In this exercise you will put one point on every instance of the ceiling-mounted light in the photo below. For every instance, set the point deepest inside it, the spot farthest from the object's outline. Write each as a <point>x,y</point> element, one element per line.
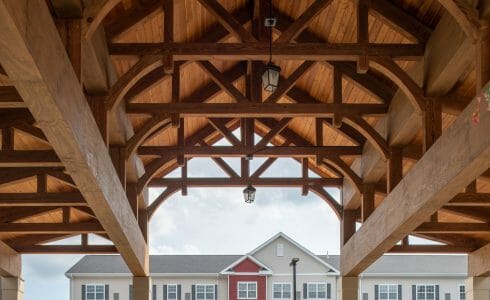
<point>249,194</point>
<point>270,78</point>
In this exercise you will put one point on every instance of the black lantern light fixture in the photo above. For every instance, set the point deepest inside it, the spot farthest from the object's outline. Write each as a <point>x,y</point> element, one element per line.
<point>249,194</point>
<point>270,78</point>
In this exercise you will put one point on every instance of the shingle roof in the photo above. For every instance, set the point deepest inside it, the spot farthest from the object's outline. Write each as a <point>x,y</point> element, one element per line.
<point>412,264</point>
<point>171,264</point>
<point>213,264</point>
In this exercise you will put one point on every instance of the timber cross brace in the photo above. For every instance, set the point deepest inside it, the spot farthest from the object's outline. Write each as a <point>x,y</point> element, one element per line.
<point>369,107</point>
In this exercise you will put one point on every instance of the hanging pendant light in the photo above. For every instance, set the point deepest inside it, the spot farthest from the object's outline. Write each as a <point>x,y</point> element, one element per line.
<point>270,78</point>
<point>249,194</point>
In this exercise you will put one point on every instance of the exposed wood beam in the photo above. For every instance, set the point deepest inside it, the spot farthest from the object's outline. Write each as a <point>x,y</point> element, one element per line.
<point>168,33</point>
<point>407,24</point>
<point>287,84</point>
<point>256,110</point>
<point>51,228</point>
<point>10,98</point>
<point>240,182</point>
<point>240,151</point>
<point>220,126</point>
<point>303,21</point>
<point>130,18</point>
<point>260,51</point>
<point>222,81</point>
<point>402,211</point>
<point>430,249</point>
<point>347,132</point>
<point>470,199</point>
<point>478,262</point>
<point>228,21</point>
<point>273,132</point>
<point>41,199</point>
<point>460,228</point>
<point>478,213</point>
<point>67,249</point>
<point>68,125</point>
<point>29,158</point>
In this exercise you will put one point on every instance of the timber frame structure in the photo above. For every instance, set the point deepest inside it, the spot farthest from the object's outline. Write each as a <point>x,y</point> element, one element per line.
<point>100,100</point>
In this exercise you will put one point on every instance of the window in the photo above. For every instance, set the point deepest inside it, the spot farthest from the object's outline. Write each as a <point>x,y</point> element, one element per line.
<point>388,292</point>
<point>426,292</point>
<point>95,292</point>
<point>204,292</point>
<point>317,291</point>
<point>281,291</point>
<point>462,292</point>
<point>280,250</point>
<point>171,291</point>
<point>247,290</point>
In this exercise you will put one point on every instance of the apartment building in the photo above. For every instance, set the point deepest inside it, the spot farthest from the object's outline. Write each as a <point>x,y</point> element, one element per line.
<point>265,274</point>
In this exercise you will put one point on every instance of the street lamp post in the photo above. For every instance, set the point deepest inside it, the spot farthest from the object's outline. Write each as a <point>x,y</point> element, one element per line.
<point>293,263</point>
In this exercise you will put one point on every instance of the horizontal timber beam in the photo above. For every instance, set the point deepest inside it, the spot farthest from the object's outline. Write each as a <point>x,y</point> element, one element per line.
<point>41,199</point>
<point>256,110</point>
<point>239,182</point>
<point>29,158</point>
<point>49,228</point>
<point>430,249</point>
<point>66,249</point>
<point>470,199</point>
<point>54,96</point>
<point>451,161</point>
<point>240,151</point>
<point>260,51</point>
<point>434,227</point>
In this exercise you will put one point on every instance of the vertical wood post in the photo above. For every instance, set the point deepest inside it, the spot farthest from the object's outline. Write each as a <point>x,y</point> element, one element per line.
<point>395,168</point>
<point>362,35</point>
<point>432,122</point>
<point>348,225</point>
<point>319,137</point>
<point>367,201</point>
<point>337,96</point>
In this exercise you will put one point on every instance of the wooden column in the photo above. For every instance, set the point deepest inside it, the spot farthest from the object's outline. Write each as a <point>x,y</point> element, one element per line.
<point>141,288</point>
<point>337,96</point>
<point>348,225</point>
<point>304,171</point>
<point>118,156</point>
<point>168,33</point>
<point>394,169</point>
<point>477,288</point>
<point>432,123</point>
<point>10,261</point>
<point>319,138</point>
<point>349,288</point>
<point>479,262</point>
<point>362,35</point>
<point>11,288</point>
<point>367,204</point>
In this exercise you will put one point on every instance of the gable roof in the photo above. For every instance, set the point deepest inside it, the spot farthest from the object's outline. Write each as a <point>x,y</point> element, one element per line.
<point>241,259</point>
<point>306,251</point>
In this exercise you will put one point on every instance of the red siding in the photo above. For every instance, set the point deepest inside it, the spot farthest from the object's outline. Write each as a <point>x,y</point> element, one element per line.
<point>261,285</point>
<point>247,266</point>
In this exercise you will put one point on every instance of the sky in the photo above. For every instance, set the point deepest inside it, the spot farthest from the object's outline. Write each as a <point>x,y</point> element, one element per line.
<point>210,220</point>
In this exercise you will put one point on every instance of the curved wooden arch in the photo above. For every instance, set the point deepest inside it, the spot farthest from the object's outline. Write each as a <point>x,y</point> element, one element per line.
<point>346,170</point>
<point>397,75</point>
<point>94,15</point>
<point>154,125</point>
<point>145,65</point>
<point>168,192</point>
<point>364,128</point>
<point>336,207</point>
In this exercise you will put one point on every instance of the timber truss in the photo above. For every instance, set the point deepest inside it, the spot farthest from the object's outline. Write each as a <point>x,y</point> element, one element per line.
<point>86,177</point>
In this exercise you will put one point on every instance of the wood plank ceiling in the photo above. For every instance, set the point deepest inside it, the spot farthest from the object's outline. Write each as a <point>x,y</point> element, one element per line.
<point>30,172</point>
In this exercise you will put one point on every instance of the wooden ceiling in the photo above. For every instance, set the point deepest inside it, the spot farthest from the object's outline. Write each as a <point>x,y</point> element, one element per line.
<point>187,74</point>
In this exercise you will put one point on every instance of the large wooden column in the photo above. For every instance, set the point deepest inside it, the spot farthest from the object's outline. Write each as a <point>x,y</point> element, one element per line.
<point>142,288</point>
<point>11,288</point>
<point>451,164</point>
<point>10,261</point>
<point>478,288</point>
<point>33,55</point>
<point>349,288</point>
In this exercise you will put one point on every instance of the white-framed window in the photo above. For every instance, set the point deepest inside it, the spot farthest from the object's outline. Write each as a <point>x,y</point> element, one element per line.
<point>172,292</point>
<point>388,292</point>
<point>462,292</point>
<point>281,290</point>
<point>280,250</point>
<point>317,290</point>
<point>204,292</point>
<point>95,292</point>
<point>247,289</point>
<point>426,292</point>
